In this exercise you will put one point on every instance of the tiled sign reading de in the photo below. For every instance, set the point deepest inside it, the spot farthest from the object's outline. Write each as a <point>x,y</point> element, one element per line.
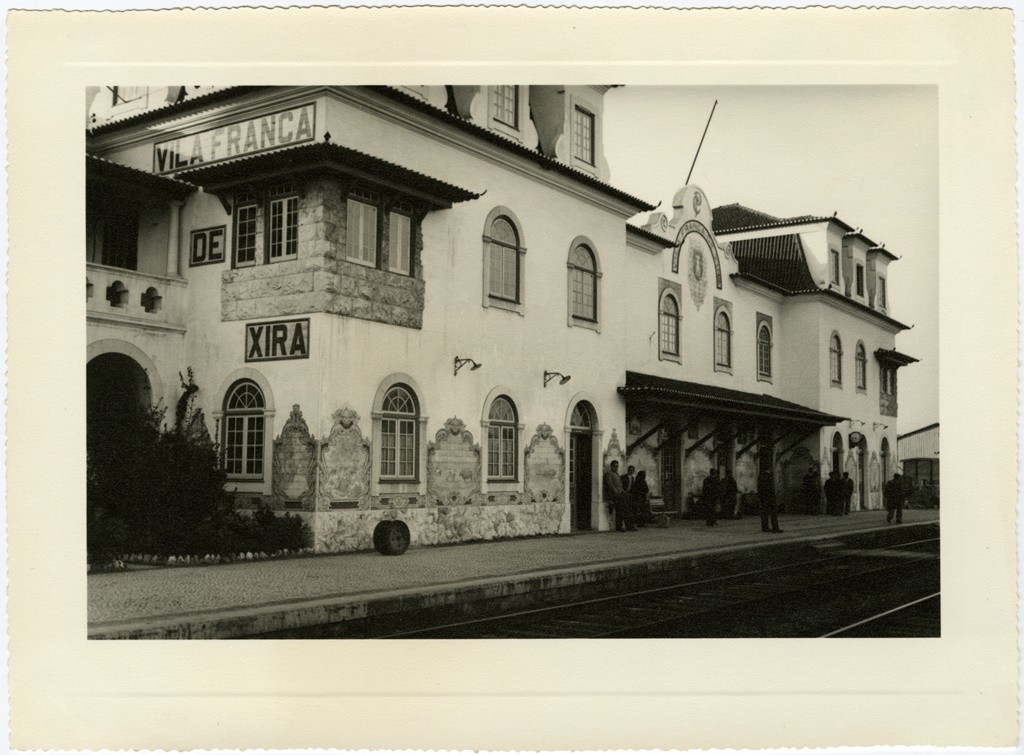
<point>282,339</point>
<point>207,246</point>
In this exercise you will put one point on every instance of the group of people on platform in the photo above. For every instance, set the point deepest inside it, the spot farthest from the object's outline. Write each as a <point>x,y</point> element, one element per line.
<point>629,495</point>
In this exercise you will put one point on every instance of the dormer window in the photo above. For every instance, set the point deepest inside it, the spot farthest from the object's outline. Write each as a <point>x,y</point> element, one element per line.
<point>835,266</point>
<point>881,292</point>
<point>583,135</point>
<point>506,105</point>
<point>860,280</point>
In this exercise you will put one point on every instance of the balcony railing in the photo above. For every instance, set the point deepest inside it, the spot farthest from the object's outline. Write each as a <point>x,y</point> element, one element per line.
<point>129,297</point>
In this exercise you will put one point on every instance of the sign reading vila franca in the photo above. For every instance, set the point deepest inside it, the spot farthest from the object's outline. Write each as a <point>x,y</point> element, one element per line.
<point>282,129</point>
<point>281,339</point>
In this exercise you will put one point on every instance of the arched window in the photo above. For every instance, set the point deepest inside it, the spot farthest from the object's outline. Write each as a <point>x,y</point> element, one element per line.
<point>836,359</point>
<point>399,444</point>
<point>503,260</point>
<point>244,429</point>
<point>669,325</point>
<point>723,341</point>
<point>502,440</point>
<point>583,283</point>
<point>581,418</point>
<point>764,352</point>
<point>862,367</point>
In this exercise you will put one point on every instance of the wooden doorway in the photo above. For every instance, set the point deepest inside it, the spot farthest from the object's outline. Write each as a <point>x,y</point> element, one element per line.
<point>581,467</point>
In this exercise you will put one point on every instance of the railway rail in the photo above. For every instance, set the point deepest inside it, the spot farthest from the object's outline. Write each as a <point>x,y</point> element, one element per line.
<point>804,599</point>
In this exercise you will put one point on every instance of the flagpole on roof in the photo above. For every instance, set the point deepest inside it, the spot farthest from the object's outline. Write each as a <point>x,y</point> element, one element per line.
<point>701,143</point>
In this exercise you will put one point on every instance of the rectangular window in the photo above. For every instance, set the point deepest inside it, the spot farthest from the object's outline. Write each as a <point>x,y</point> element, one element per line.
<point>506,105</point>
<point>583,294</point>
<point>284,228</point>
<point>835,266</point>
<point>398,448</point>
<point>860,280</point>
<point>243,446</point>
<point>669,333</point>
<point>881,292</point>
<point>400,243</point>
<point>501,453</point>
<point>245,235</point>
<point>362,233</point>
<point>504,277</point>
<point>583,136</point>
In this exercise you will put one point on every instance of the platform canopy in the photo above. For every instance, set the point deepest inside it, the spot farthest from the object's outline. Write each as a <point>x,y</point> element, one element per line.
<point>711,399</point>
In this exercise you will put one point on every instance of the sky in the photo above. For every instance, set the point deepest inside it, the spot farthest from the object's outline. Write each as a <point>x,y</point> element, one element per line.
<point>869,153</point>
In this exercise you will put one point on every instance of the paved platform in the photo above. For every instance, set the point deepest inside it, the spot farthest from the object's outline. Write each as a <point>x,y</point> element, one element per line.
<point>231,600</point>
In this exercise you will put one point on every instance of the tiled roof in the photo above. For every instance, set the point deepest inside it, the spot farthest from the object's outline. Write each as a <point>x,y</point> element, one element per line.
<point>891,356</point>
<point>709,397</point>
<point>513,146</point>
<point>736,217</point>
<point>188,105</point>
<point>100,168</point>
<point>649,235</point>
<point>325,157</point>
<point>779,260</point>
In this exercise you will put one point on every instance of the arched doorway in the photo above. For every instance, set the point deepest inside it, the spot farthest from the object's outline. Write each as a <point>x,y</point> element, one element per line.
<point>581,465</point>
<point>117,390</point>
<point>837,453</point>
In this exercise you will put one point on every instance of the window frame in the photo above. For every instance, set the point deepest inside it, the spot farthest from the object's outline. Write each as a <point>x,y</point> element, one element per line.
<point>573,319</point>
<point>764,374</point>
<point>372,203</point>
<point>719,335</point>
<point>496,301</point>
<point>398,419</point>
<point>247,416</point>
<point>506,434</point>
<point>589,118</point>
<point>882,293</point>
<point>835,356</point>
<point>402,213</point>
<point>860,370</point>
<point>272,200</point>
<point>835,267</point>
<point>664,318</point>
<point>498,96</point>
<point>858,279</point>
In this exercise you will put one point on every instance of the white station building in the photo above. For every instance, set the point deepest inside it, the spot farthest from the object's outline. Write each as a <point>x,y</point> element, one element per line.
<point>426,304</point>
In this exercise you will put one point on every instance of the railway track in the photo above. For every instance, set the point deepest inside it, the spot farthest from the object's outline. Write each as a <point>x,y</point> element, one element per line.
<point>805,599</point>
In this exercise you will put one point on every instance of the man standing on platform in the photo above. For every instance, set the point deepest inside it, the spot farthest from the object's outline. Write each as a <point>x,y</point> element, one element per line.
<point>894,494</point>
<point>766,496</point>
<point>834,494</point>
<point>847,492</point>
<point>615,497</point>
<point>627,487</point>
<point>709,497</point>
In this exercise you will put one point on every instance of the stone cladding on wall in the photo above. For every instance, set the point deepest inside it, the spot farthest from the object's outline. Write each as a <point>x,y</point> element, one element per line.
<point>437,525</point>
<point>320,278</point>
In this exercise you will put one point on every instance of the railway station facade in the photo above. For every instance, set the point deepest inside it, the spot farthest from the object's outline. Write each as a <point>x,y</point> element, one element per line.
<point>430,304</point>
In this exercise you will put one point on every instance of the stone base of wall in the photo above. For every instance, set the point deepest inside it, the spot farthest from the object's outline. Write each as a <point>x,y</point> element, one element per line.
<point>342,531</point>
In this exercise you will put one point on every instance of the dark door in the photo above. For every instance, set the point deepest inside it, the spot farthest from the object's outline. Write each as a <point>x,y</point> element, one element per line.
<point>580,484</point>
<point>670,482</point>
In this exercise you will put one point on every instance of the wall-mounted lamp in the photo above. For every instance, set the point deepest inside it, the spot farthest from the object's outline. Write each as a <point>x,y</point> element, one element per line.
<point>462,362</point>
<point>549,376</point>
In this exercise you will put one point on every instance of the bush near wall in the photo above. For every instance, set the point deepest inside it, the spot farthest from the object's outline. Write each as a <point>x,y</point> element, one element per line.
<point>161,491</point>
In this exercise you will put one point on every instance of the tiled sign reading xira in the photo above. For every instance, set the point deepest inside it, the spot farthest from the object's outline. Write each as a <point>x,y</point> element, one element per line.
<point>282,339</point>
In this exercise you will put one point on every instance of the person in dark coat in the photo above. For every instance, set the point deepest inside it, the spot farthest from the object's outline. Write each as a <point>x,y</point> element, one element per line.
<point>894,493</point>
<point>729,490</point>
<point>627,486</point>
<point>709,497</point>
<point>640,499</point>
<point>614,496</point>
<point>766,497</point>
<point>847,492</point>
<point>834,494</point>
<point>811,491</point>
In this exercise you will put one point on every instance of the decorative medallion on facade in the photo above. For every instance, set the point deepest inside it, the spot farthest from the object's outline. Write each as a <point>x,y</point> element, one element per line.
<point>295,462</point>
<point>344,464</point>
<point>544,465</point>
<point>453,466</point>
